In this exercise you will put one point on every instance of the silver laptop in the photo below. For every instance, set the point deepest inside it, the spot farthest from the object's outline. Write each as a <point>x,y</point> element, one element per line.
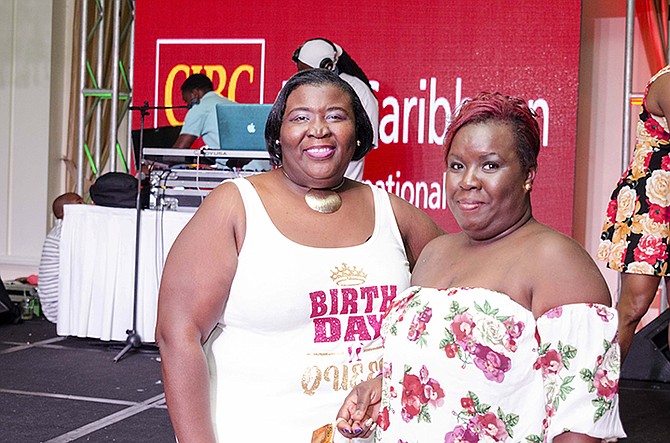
<point>242,129</point>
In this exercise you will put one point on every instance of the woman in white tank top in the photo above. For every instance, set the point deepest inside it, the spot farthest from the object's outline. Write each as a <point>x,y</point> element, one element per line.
<point>273,294</point>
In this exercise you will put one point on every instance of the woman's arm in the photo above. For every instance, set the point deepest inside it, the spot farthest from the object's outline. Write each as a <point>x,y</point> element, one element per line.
<point>562,274</point>
<point>196,280</point>
<point>658,96</point>
<point>416,228</point>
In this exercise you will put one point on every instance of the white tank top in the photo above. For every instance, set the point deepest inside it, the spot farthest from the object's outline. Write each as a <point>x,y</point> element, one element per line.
<point>300,327</point>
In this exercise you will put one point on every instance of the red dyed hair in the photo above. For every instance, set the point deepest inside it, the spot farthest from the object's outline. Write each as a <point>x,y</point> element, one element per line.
<point>507,110</point>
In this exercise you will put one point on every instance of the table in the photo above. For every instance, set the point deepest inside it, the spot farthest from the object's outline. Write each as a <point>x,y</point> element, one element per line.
<point>97,264</point>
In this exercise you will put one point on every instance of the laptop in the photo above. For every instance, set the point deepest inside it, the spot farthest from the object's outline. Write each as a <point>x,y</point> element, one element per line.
<point>161,137</point>
<point>242,129</point>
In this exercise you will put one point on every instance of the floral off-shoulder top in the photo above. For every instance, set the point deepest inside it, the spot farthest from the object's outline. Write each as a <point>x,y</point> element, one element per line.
<point>472,365</point>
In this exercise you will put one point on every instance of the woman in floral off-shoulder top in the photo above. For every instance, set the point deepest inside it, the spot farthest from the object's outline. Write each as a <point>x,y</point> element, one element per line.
<point>507,334</point>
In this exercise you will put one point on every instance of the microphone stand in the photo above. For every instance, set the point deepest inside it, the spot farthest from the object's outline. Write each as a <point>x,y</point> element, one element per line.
<point>134,340</point>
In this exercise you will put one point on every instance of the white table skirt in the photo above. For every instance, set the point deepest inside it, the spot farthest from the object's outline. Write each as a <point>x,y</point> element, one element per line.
<point>97,265</point>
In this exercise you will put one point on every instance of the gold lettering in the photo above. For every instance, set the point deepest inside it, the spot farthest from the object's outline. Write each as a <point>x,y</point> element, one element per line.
<point>169,86</point>
<point>345,377</point>
<point>336,377</point>
<point>356,371</point>
<point>342,377</point>
<point>196,69</point>
<point>375,367</point>
<point>311,380</point>
<point>232,86</point>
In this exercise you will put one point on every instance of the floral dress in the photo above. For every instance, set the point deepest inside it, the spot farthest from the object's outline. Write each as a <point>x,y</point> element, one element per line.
<point>472,365</point>
<point>635,234</point>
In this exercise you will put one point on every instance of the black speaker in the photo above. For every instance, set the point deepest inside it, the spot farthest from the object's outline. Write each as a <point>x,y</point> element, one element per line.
<point>649,356</point>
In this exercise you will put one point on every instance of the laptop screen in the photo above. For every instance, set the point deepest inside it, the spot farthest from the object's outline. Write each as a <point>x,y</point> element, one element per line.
<point>161,137</point>
<point>242,126</point>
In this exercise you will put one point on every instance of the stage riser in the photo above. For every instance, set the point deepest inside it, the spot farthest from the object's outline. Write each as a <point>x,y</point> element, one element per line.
<point>649,356</point>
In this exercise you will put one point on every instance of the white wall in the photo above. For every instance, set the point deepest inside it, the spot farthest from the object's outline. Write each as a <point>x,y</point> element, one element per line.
<point>60,119</point>
<point>25,75</point>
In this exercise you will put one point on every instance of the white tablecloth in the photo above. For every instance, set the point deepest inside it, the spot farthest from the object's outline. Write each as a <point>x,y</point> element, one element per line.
<point>97,265</point>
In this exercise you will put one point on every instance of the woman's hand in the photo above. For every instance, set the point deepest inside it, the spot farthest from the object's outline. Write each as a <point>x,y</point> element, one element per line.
<point>358,414</point>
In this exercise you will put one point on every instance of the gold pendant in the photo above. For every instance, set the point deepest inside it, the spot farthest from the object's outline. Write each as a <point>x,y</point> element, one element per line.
<point>324,201</point>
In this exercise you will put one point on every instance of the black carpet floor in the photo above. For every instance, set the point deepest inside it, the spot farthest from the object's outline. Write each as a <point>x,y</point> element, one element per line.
<point>61,389</point>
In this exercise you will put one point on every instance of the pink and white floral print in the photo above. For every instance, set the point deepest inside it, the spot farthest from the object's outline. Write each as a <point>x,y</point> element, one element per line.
<point>472,365</point>
<point>482,338</point>
<point>477,423</point>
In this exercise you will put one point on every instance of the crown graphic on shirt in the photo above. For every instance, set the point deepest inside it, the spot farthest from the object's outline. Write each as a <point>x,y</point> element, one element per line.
<point>348,276</point>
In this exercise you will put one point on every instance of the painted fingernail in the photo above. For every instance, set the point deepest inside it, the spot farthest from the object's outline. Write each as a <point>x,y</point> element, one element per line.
<point>358,431</point>
<point>368,422</point>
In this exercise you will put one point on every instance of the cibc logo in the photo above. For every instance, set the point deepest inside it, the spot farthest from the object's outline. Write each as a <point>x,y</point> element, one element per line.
<point>218,73</point>
<point>235,66</point>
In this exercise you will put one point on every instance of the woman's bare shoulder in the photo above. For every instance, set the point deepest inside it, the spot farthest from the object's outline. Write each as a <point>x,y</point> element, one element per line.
<point>547,245</point>
<point>416,227</point>
<point>561,272</point>
<point>411,217</point>
<point>221,214</point>
<point>223,199</point>
<point>439,247</point>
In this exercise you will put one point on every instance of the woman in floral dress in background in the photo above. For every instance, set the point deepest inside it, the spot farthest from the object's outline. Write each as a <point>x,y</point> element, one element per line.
<point>507,334</point>
<point>634,239</point>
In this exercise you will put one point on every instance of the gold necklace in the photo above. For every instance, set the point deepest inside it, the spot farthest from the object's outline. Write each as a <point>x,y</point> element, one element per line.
<point>325,200</point>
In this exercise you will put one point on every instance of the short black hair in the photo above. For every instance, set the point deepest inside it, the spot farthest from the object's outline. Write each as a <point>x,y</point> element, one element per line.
<point>316,77</point>
<point>65,199</point>
<point>197,81</point>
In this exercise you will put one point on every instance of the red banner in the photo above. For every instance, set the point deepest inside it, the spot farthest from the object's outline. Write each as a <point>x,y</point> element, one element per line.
<point>425,57</point>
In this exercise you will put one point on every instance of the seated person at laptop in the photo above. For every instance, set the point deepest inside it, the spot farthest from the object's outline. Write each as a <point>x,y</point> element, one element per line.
<point>198,93</point>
